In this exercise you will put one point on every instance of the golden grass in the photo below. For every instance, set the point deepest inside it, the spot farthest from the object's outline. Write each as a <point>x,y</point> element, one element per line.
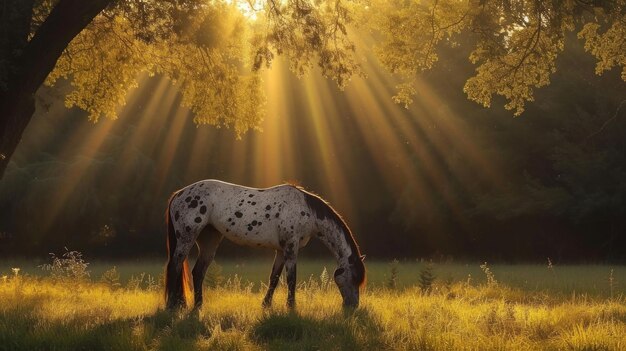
<point>43,314</point>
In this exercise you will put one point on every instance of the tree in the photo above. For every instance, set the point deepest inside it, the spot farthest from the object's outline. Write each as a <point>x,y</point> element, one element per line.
<point>207,47</point>
<point>214,53</point>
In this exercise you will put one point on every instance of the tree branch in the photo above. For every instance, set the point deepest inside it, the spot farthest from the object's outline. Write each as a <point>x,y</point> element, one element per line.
<point>67,19</point>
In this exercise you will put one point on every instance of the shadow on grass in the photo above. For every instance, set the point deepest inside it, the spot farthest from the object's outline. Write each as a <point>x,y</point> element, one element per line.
<point>22,329</point>
<point>347,330</point>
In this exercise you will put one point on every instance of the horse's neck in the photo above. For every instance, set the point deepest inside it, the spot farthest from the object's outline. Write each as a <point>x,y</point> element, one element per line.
<point>337,242</point>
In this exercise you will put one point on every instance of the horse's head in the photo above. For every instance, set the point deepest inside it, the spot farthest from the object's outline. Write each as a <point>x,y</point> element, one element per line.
<point>350,279</point>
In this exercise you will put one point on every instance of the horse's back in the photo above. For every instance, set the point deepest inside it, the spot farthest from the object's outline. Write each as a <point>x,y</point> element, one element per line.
<point>245,215</point>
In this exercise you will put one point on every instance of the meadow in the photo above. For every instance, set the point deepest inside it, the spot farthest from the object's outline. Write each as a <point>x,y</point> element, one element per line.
<point>407,305</point>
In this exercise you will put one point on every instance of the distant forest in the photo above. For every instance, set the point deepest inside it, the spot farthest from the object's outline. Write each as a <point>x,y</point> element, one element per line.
<point>563,163</point>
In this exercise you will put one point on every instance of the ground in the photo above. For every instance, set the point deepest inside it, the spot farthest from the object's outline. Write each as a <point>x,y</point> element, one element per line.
<point>525,307</point>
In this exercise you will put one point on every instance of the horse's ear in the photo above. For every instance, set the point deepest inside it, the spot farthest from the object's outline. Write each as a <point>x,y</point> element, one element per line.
<point>362,257</point>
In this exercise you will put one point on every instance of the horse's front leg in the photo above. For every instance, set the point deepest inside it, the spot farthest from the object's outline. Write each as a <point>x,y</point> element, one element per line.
<point>277,269</point>
<point>208,241</point>
<point>291,256</point>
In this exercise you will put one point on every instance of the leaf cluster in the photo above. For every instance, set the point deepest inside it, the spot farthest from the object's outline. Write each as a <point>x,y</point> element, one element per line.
<point>209,49</point>
<point>515,42</point>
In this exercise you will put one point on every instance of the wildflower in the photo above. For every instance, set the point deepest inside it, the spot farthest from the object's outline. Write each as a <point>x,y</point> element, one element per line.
<point>4,278</point>
<point>16,271</point>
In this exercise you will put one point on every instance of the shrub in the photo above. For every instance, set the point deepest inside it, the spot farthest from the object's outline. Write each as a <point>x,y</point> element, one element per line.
<point>70,265</point>
<point>392,281</point>
<point>491,278</point>
<point>111,278</point>
<point>427,277</point>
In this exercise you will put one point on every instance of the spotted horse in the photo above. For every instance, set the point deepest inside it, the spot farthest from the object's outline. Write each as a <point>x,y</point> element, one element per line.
<point>283,218</point>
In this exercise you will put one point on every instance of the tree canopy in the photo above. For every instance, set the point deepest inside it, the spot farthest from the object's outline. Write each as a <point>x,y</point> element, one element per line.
<point>213,50</point>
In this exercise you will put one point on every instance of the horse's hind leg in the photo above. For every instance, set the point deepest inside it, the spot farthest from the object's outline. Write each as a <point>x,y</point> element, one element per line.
<point>277,269</point>
<point>291,256</point>
<point>208,241</point>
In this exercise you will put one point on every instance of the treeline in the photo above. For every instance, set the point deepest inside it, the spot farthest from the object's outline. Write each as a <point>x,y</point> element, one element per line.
<point>560,190</point>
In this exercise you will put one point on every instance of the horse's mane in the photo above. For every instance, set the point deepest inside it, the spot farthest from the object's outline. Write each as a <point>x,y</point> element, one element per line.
<point>323,210</point>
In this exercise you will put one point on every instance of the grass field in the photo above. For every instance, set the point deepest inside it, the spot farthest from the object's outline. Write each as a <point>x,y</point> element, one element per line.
<point>525,307</point>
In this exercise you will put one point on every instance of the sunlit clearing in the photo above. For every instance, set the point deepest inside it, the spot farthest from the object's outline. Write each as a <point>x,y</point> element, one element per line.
<point>336,143</point>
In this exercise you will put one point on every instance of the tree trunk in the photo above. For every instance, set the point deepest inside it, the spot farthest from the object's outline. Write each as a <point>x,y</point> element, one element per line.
<point>27,68</point>
<point>16,109</point>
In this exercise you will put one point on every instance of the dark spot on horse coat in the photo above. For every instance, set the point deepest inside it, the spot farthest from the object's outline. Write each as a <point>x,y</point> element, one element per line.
<point>249,227</point>
<point>198,220</point>
<point>203,209</point>
<point>228,220</point>
<point>238,214</point>
<point>253,203</point>
<point>188,228</point>
<point>267,215</point>
<point>260,190</point>
<point>197,197</point>
<point>188,199</point>
<point>251,195</point>
<point>302,213</point>
<point>176,216</point>
<point>201,184</point>
<point>276,215</point>
<point>260,223</point>
<point>254,222</point>
<point>268,207</point>
<point>193,204</point>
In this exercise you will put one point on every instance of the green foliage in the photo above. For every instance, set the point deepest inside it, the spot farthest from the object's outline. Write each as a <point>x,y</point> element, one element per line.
<point>111,278</point>
<point>209,50</point>
<point>515,46</point>
<point>213,51</point>
<point>612,282</point>
<point>394,270</point>
<point>426,277</point>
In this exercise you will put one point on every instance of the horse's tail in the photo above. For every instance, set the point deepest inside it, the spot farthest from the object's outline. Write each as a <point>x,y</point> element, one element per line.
<point>177,285</point>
